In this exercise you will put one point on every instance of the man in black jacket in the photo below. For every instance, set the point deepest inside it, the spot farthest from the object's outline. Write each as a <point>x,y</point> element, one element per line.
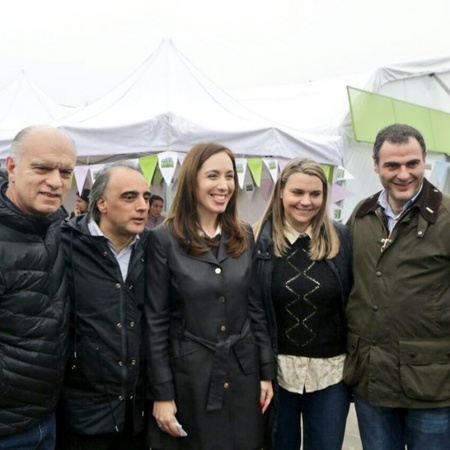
<point>33,298</point>
<point>103,393</point>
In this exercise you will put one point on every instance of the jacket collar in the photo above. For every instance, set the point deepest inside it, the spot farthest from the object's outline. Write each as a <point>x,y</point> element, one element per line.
<point>14,217</point>
<point>264,241</point>
<point>222,253</point>
<point>427,203</point>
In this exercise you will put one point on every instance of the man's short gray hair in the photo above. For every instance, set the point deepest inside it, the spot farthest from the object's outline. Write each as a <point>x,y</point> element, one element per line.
<point>99,187</point>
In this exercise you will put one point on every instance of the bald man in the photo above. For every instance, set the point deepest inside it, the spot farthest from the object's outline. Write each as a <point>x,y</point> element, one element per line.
<point>33,301</point>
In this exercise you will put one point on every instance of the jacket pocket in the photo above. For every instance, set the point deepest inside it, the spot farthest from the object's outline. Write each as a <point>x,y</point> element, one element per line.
<point>425,368</point>
<point>352,368</point>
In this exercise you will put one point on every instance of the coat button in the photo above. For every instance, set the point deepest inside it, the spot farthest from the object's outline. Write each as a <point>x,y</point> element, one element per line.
<point>378,273</point>
<point>118,286</point>
<point>222,299</point>
<point>375,308</point>
<point>119,325</point>
<point>223,328</point>
<point>133,362</point>
<point>132,324</point>
<point>218,270</point>
<point>226,385</point>
<point>412,355</point>
<point>120,364</point>
<point>120,397</point>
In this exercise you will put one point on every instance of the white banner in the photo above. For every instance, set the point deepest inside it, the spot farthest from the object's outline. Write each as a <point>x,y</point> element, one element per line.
<point>241,169</point>
<point>342,174</point>
<point>272,167</point>
<point>80,173</point>
<point>167,162</point>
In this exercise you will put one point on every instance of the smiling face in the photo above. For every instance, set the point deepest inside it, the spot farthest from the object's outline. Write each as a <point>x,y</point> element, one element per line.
<point>302,198</point>
<point>124,204</point>
<point>214,186</point>
<point>40,174</point>
<point>401,168</point>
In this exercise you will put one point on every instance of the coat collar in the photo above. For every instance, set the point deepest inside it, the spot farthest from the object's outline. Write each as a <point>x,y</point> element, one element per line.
<point>209,257</point>
<point>427,203</point>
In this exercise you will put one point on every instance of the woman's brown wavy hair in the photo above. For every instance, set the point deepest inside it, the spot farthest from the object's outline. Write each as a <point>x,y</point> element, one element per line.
<point>183,217</point>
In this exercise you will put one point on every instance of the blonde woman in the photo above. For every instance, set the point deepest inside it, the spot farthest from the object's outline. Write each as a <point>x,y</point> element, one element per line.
<point>304,268</point>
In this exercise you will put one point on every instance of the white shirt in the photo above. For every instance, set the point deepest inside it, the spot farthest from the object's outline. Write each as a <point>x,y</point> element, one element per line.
<point>389,213</point>
<point>122,257</point>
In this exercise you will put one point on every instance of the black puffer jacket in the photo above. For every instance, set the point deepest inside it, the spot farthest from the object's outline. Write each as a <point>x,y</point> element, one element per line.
<point>104,370</point>
<point>33,316</point>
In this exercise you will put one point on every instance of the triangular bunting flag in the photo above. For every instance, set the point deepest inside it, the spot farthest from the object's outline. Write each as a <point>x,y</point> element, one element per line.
<point>241,169</point>
<point>338,193</point>
<point>148,165</point>
<point>80,174</point>
<point>343,174</point>
<point>255,166</point>
<point>167,165</point>
<point>272,167</point>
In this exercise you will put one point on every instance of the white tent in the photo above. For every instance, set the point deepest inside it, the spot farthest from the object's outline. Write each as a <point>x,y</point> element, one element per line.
<point>322,106</point>
<point>425,83</point>
<point>22,103</point>
<point>314,107</point>
<point>168,105</point>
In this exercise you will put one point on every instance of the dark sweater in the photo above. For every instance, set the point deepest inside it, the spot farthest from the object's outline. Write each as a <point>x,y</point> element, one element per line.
<point>308,307</point>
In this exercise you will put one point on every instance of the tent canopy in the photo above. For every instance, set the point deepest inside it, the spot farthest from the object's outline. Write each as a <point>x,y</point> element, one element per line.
<point>168,104</point>
<point>22,104</point>
<point>423,83</point>
<point>322,106</point>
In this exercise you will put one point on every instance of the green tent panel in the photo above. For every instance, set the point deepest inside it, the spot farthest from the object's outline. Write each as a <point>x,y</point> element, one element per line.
<point>370,112</point>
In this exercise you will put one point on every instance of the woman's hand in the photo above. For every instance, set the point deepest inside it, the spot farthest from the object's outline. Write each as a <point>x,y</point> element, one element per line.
<point>266,394</point>
<point>164,413</point>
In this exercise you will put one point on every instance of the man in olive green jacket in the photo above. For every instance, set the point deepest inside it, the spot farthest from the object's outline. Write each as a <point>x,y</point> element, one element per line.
<point>399,309</point>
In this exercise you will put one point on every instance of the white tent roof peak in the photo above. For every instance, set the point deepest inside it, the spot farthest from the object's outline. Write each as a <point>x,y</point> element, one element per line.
<point>168,104</point>
<point>166,82</point>
<point>22,103</point>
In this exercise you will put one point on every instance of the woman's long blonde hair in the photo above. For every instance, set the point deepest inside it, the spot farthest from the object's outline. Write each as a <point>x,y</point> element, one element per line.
<point>324,239</point>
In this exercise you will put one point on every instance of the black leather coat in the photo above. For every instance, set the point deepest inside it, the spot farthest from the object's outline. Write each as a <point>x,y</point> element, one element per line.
<point>208,344</point>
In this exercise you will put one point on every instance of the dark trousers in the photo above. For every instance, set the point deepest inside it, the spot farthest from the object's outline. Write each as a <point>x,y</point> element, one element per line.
<point>122,441</point>
<point>323,414</point>
<point>125,440</point>
<point>39,437</point>
<point>395,428</point>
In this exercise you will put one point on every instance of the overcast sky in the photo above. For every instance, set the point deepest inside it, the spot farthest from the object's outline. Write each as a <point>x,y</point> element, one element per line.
<point>78,50</point>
